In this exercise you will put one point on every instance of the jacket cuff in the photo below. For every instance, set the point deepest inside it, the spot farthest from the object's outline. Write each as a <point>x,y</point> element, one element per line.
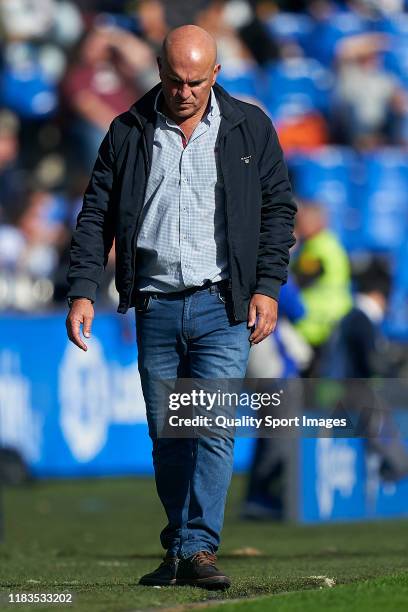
<point>83,287</point>
<point>270,287</point>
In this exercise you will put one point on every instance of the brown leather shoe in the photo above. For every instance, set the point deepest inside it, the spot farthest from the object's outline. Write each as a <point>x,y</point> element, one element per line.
<point>200,570</point>
<point>164,575</point>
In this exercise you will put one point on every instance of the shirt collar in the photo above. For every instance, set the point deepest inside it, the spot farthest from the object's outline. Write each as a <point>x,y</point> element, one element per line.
<point>213,110</point>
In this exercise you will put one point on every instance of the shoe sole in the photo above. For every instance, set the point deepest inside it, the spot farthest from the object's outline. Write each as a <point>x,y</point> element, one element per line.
<point>217,583</point>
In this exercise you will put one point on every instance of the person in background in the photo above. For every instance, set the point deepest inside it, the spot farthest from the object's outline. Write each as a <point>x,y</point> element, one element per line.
<point>252,31</point>
<point>370,103</point>
<point>356,354</point>
<point>112,68</point>
<point>321,269</point>
<point>11,174</point>
<point>356,347</point>
<point>179,12</point>
<point>282,356</point>
<point>151,15</point>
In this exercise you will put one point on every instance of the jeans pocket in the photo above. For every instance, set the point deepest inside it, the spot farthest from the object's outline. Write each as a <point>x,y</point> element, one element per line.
<point>142,303</point>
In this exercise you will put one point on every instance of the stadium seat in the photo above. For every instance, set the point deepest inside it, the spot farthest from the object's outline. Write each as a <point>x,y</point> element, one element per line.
<point>396,55</point>
<point>327,177</point>
<point>243,81</point>
<point>297,86</point>
<point>396,24</point>
<point>382,196</point>
<point>396,59</point>
<point>296,27</point>
<point>30,96</point>
<point>322,42</point>
<point>396,324</point>
<point>25,87</point>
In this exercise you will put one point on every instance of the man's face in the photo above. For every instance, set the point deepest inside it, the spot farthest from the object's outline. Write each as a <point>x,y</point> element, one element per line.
<point>186,86</point>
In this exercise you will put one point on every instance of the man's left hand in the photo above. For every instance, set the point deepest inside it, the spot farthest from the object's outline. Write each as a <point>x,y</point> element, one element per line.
<point>263,314</point>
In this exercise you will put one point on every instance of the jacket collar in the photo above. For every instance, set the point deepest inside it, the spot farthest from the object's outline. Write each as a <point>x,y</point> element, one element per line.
<point>143,109</point>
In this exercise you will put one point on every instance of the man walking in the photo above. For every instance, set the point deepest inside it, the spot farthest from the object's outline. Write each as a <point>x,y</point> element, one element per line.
<point>192,185</point>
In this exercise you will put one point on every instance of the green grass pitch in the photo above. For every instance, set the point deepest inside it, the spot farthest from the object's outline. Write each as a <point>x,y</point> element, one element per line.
<point>95,538</point>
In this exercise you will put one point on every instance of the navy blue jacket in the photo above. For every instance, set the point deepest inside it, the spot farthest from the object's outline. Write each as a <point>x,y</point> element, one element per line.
<point>259,207</point>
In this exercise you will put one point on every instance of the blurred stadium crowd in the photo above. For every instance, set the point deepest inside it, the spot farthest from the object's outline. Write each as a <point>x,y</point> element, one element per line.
<point>332,75</point>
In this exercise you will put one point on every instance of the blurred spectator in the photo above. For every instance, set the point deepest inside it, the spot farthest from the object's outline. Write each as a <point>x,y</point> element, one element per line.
<point>231,51</point>
<point>239,15</point>
<point>35,37</point>
<point>357,351</point>
<point>153,23</point>
<point>59,21</point>
<point>110,70</point>
<point>285,352</point>
<point>281,356</point>
<point>377,7</point>
<point>41,223</point>
<point>67,67</point>
<point>26,20</point>
<point>11,176</point>
<point>370,103</point>
<point>179,12</point>
<point>321,269</point>
<point>30,247</point>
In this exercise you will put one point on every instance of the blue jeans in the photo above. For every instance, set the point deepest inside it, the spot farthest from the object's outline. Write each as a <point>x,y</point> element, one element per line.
<point>190,336</point>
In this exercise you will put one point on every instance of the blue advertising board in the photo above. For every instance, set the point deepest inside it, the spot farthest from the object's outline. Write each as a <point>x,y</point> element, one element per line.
<point>72,413</point>
<point>339,479</point>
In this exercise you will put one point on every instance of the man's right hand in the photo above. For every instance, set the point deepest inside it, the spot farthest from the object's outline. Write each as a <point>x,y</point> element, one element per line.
<point>80,313</point>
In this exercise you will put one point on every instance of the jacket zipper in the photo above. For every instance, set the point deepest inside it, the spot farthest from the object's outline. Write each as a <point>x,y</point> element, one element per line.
<point>136,232</point>
<point>222,144</point>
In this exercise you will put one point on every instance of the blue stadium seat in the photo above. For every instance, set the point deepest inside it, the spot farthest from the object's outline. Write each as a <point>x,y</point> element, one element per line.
<point>321,44</point>
<point>25,87</point>
<point>396,59</point>
<point>383,199</point>
<point>327,177</point>
<point>396,56</point>
<point>396,324</point>
<point>245,82</point>
<point>396,24</point>
<point>297,86</point>
<point>30,96</point>
<point>296,27</point>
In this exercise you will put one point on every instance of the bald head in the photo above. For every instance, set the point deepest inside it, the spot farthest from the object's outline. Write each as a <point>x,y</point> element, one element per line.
<point>188,70</point>
<point>191,44</point>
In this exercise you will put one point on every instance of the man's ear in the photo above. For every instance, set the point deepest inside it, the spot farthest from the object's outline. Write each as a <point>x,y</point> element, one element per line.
<point>217,68</point>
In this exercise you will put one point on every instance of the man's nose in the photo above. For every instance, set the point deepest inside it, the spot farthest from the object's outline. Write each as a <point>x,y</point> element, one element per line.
<point>184,91</point>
